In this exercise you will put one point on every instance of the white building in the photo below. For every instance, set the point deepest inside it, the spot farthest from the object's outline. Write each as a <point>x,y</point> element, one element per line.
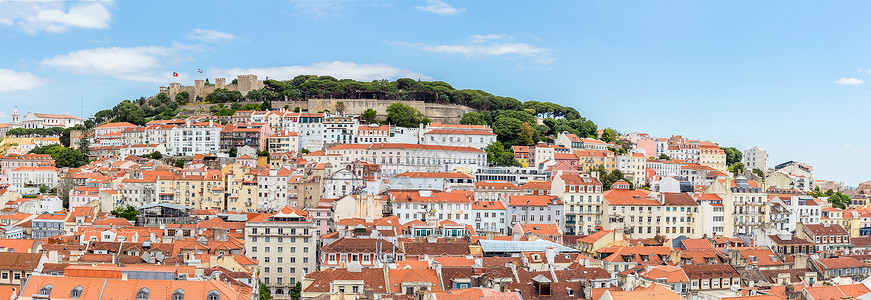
<point>399,158</point>
<point>582,196</point>
<point>438,181</point>
<point>427,205</point>
<point>285,245</point>
<point>373,133</point>
<point>534,209</point>
<point>340,129</point>
<point>479,139</point>
<point>27,180</point>
<point>490,217</point>
<point>195,138</point>
<point>802,209</point>
<point>272,188</point>
<point>38,120</point>
<point>756,158</point>
<point>284,141</point>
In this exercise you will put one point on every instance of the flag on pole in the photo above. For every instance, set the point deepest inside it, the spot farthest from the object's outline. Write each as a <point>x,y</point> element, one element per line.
<point>200,71</point>
<point>174,74</point>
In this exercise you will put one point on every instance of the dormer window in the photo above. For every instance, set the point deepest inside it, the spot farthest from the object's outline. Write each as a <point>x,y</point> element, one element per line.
<point>45,291</point>
<point>76,292</point>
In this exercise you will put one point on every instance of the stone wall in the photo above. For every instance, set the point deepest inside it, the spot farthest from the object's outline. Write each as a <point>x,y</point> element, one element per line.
<point>245,84</point>
<point>446,113</point>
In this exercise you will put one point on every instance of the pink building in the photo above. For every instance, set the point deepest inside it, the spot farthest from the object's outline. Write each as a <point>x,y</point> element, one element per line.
<point>81,196</point>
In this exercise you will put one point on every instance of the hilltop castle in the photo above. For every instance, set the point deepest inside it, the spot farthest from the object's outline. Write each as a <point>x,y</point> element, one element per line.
<point>244,84</point>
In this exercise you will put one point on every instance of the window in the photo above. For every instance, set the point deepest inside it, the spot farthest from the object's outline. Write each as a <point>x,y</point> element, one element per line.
<point>76,292</point>
<point>213,295</point>
<point>46,290</point>
<point>142,294</point>
<point>178,295</point>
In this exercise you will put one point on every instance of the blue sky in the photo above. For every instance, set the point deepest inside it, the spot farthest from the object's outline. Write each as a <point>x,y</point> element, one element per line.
<point>784,75</point>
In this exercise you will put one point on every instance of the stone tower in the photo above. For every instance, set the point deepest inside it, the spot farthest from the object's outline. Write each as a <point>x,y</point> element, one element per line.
<point>220,83</point>
<point>198,89</point>
<point>174,89</point>
<point>15,117</point>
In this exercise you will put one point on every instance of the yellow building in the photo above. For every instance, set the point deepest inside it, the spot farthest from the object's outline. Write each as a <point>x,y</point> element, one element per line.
<point>200,189</point>
<point>844,218</point>
<point>591,159</point>
<point>241,183</point>
<point>712,156</point>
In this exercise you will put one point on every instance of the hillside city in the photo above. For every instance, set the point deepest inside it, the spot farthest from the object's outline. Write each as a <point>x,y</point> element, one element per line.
<point>236,191</point>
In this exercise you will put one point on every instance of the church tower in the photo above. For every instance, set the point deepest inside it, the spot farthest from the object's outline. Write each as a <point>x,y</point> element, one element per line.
<point>15,117</point>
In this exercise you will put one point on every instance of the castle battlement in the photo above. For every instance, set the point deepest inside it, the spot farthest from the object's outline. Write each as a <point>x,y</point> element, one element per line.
<point>244,84</point>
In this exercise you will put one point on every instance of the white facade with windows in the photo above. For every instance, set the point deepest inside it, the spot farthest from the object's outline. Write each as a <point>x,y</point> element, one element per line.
<point>195,138</point>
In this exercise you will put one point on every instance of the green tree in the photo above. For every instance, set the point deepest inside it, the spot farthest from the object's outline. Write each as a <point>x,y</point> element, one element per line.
<point>736,168</point>
<point>526,135</point>
<point>182,97</point>
<point>296,291</point>
<point>498,155</point>
<point>179,163</point>
<point>369,116</point>
<point>663,156</point>
<point>154,155</point>
<point>126,111</point>
<point>403,115</point>
<point>733,155</point>
<point>43,189</point>
<point>759,173</point>
<point>304,151</point>
<point>609,135</point>
<point>89,123</point>
<point>69,158</point>
<point>296,109</point>
<point>84,146</point>
<point>264,293</point>
<point>233,152</point>
<point>340,107</point>
<point>128,212</point>
<point>266,105</point>
<point>473,118</point>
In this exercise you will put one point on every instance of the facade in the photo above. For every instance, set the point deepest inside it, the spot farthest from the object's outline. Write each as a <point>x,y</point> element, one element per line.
<point>38,120</point>
<point>478,139</point>
<point>582,196</point>
<point>27,180</point>
<point>433,207</point>
<point>284,141</point>
<point>755,158</point>
<point>490,217</point>
<point>526,209</point>
<point>398,158</point>
<point>238,135</point>
<point>494,190</point>
<point>284,244</point>
<point>195,138</point>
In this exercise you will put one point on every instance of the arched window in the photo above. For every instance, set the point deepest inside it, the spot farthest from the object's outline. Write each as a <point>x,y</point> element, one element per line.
<point>214,295</point>
<point>178,295</point>
<point>279,291</point>
<point>46,290</point>
<point>142,294</point>
<point>76,292</point>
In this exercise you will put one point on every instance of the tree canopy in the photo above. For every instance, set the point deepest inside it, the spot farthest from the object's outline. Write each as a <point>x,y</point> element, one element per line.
<point>837,199</point>
<point>733,155</point>
<point>403,115</point>
<point>63,157</point>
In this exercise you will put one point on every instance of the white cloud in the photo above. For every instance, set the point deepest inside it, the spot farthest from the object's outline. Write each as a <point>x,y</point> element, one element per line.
<point>849,81</point>
<point>55,16</point>
<point>490,45</point>
<point>338,69</point>
<point>441,8</point>
<point>318,8</point>
<point>210,36</point>
<point>11,80</point>
<point>146,64</point>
